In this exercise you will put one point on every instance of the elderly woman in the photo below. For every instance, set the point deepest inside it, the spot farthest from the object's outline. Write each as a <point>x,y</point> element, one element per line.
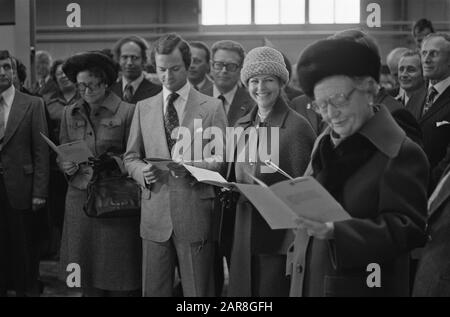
<point>108,251</point>
<point>258,258</point>
<point>369,165</point>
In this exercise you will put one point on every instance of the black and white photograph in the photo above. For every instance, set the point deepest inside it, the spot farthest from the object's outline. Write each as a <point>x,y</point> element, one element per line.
<point>236,151</point>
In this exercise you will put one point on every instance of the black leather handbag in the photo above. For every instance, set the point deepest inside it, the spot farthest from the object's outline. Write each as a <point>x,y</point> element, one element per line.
<point>113,197</point>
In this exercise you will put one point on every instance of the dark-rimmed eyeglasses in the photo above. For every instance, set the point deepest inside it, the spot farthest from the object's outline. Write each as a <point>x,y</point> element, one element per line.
<point>92,86</point>
<point>338,101</point>
<point>230,67</point>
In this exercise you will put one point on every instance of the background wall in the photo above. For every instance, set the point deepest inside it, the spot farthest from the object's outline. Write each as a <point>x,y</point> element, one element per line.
<point>105,21</point>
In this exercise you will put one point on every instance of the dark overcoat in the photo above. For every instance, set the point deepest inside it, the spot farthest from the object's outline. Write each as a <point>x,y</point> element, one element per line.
<point>379,176</point>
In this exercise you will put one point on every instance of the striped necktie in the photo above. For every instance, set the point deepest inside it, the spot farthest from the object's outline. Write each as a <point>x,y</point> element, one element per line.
<point>128,93</point>
<point>432,93</point>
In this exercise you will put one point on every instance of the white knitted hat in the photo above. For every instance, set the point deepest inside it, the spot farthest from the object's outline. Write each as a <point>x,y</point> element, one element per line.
<point>264,61</point>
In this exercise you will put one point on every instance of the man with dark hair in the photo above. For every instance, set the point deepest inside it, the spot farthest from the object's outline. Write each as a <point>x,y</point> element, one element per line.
<point>226,65</point>
<point>410,77</point>
<point>24,172</point>
<point>421,28</point>
<point>177,217</point>
<point>131,54</point>
<point>199,69</point>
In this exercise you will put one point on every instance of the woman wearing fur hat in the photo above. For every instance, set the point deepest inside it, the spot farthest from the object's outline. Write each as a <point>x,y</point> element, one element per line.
<point>369,165</point>
<point>258,259</point>
<point>108,251</point>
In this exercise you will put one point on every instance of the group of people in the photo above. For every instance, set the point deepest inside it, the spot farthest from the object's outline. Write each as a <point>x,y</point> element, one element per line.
<point>383,155</point>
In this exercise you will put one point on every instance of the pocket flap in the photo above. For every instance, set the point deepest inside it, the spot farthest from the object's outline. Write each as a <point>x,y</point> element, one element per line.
<point>110,122</point>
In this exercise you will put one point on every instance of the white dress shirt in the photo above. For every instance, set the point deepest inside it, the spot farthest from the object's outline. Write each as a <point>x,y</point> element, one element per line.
<point>229,96</point>
<point>8,98</point>
<point>180,102</point>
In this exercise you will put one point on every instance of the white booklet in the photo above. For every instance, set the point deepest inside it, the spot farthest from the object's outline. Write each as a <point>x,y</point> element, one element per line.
<point>207,176</point>
<point>77,151</point>
<point>283,202</point>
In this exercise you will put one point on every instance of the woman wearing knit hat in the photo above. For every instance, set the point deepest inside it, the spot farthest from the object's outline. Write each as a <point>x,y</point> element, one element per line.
<point>258,259</point>
<point>369,165</point>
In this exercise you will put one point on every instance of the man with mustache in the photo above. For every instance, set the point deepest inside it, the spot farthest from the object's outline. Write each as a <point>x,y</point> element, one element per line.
<point>131,54</point>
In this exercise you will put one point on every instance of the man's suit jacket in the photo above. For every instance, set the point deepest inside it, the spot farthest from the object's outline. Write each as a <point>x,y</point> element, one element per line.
<point>207,87</point>
<point>416,102</point>
<point>433,273</point>
<point>436,135</point>
<point>178,205</point>
<point>25,155</point>
<point>145,90</point>
<point>241,105</point>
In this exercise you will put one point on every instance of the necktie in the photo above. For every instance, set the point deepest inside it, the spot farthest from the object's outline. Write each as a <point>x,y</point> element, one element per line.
<point>432,92</point>
<point>128,93</point>
<point>222,98</point>
<point>171,120</point>
<point>2,121</point>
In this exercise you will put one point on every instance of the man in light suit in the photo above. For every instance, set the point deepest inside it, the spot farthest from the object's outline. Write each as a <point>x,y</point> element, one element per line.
<point>177,215</point>
<point>131,54</point>
<point>433,274</point>
<point>24,173</point>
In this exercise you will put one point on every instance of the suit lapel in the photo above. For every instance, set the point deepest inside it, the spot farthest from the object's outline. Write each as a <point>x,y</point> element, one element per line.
<point>443,194</point>
<point>416,102</point>
<point>155,136</point>
<point>192,110</point>
<point>239,106</point>
<point>18,110</point>
<point>442,102</point>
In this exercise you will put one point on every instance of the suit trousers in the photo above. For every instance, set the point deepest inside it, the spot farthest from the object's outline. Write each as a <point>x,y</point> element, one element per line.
<point>19,254</point>
<point>195,263</point>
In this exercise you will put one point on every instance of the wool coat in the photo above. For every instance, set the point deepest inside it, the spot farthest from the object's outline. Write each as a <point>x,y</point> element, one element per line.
<point>252,235</point>
<point>379,176</point>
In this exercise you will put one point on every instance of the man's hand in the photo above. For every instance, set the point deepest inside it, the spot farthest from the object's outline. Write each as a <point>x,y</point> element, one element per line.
<point>319,230</point>
<point>69,168</point>
<point>152,174</point>
<point>37,203</point>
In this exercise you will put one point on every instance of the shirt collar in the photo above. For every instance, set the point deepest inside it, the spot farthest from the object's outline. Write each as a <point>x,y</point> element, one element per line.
<point>229,96</point>
<point>276,117</point>
<point>183,92</point>
<point>201,84</point>
<point>441,86</point>
<point>111,103</point>
<point>135,83</point>
<point>8,95</point>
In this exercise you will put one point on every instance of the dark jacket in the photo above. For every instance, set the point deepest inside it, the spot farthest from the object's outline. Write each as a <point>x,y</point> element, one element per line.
<point>379,176</point>
<point>145,90</point>
<point>252,234</point>
<point>433,272</point>
<point>436,135</point>
<point>25,155</point>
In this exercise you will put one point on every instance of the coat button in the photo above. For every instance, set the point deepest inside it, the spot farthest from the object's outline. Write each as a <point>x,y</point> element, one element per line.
<point>299,268</point>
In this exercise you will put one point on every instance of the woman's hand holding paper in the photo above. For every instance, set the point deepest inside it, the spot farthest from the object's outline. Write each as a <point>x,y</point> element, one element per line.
<point>319,230</point>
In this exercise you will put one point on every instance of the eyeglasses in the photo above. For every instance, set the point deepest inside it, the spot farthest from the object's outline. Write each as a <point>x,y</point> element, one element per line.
<point>92,86</point>
<point>230,67</point>
<point>338,101</point>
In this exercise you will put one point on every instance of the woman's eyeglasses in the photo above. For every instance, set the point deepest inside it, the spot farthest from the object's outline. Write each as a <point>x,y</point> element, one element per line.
<point>337,101</point>
<point>92,86</point>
